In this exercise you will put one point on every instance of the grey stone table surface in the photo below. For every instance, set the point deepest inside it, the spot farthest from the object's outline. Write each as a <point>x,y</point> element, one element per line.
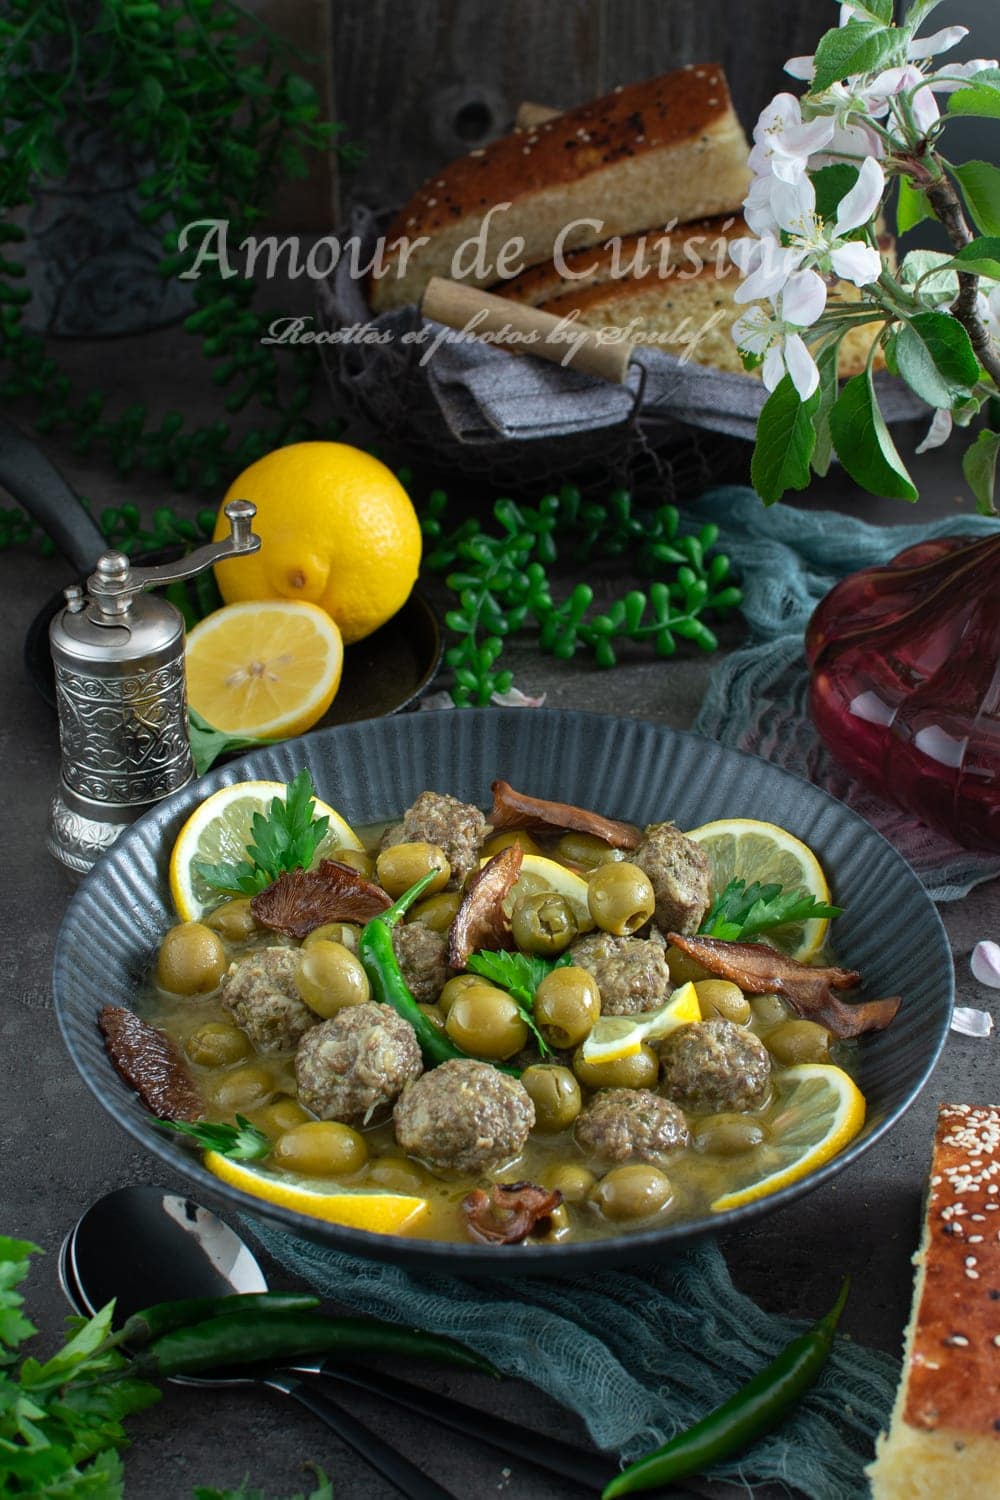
<point>59,1150</point>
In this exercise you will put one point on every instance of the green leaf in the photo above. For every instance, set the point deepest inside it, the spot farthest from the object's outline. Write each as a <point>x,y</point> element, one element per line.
<point>826,363</point>
<point>979,465</point>
<point>980,258</point>
<point>786,438</point>
<point>242,1141</point>
<point>858,47</point>
<point>208,743</point>
<point>980,98</point>
<point>933,270</point>
<point>323,1491</point>
<point>936,359</point>
<point>863,444</point>
<point>980,184</point>
<point>519,974</point>
<point>741,910</point>
<point>151,93</point>
<point>832,183</point>
<point>875,10</point>
<point>912,206</point>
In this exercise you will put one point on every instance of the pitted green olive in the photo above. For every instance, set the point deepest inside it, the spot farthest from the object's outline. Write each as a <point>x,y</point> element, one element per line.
<point>544,923</point>
<point>320,1148</point>
<point>586,850</point>
<point>457,986</point>
<point>793,1042</point>
<point>346,933</point>
<point>402,865</point>
<point>556,1226</point>
<point>216,1044</point>
<point>620,897</point>
<point>357,859</point>
<point>640,1071</point>
<point>728,1135</point>
<point>437,912</point>
<point>397,1174</point>
<point>243,1089</point>
<point>768,1010</point>
<point>723,1000</point>
<point>567,1003</point>
<point>684,969</point>
<point>498,842</point>
<point>233,920</point>
<point>555,1094</point>
<point>280,1115</point>
<point>434,1015</point>
<point>191,960</point>
<point>328,976</point>
<point>574,1181</point>
<point>485,1022</point>
<point>633,1192</point>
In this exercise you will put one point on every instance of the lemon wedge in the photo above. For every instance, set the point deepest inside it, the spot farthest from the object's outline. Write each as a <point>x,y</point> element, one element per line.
<point>818,1111</point>
<point>550,875</point>
<point>613,1037</point>
<point>380,1213</point>
<point>267,669</point>
<point>219,831</point>
<point>743,848</point>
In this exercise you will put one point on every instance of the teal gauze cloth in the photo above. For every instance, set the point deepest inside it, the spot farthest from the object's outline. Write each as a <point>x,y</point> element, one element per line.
<point>642,1353</point>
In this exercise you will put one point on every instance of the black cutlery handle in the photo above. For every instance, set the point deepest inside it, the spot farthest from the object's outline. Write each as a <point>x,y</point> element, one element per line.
<point>378,1454</point>
<point>35,482</point>
<point>592,1470</point>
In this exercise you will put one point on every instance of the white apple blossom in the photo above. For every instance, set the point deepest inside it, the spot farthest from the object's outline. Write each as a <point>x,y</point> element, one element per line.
<point>783,142</point>
<point>938,432</point>
<point>763,332</point>
<point>957,75</point>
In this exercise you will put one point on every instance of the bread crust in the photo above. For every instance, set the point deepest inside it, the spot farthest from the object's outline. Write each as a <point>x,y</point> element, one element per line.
<point>669,148</point>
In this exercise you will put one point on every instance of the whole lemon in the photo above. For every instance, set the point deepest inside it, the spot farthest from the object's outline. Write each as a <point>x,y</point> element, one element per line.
<point>338,530</point>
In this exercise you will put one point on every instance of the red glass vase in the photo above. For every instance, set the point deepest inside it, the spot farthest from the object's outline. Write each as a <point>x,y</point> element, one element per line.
<point>905,682</point>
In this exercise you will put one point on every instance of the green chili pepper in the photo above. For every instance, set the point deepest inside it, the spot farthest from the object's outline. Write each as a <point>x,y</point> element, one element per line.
<point>247,1338</point>
<point>152,1323</point>
<point>757,1407</point>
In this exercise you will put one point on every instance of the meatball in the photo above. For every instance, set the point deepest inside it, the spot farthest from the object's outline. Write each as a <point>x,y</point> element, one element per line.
<point>631,973</point>
<point>456,827</point>
<point>464,1116</point>
<point>423,959</point>
<point>260,993</point>
<point>353,1066</point>
<point>710,1066</point>
<point>680,875</point>
<point>630,1124</point>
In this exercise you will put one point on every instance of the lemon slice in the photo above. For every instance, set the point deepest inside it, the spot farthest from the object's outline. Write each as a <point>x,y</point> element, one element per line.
<point>818,1111</point>
<point>268,669</point>
<point>380,1213</point>
<point>613,1037</point>
<point>219,831</point>
<point>742,848</point>
<point>554,877</point>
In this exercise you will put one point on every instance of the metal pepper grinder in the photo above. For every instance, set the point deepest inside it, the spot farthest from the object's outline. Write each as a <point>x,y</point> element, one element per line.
<point>122,697</point>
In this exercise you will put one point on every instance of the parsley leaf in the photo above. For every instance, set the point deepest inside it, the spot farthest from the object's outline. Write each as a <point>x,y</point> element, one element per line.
<point>286,839</point>
<point>742,910</point>
<point>242,1141</point>
<point>323,1491</point>
<point>519,974</point>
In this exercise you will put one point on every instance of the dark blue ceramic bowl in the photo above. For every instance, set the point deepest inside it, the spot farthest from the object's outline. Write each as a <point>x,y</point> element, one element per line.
<point>626,768</point>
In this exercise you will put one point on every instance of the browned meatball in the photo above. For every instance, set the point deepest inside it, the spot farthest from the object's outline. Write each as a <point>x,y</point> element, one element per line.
<point>464,1116</point>
<point>456,827</point>
<point>353,1066</point>
<point>631,973</point>
<point>710,1066</point>
<point>680,875</point>
<point>423,959</point>
<point>260,993</point>
<point>630,1124</point>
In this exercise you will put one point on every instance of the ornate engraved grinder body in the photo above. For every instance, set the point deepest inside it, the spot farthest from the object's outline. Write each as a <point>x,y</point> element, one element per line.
<point>119,667</point>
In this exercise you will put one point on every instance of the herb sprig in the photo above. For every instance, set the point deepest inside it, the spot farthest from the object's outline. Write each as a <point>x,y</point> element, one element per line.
<point>240,1142</point>
<point>519,974</point>
<point>741,910</point>
<point>286,839</point>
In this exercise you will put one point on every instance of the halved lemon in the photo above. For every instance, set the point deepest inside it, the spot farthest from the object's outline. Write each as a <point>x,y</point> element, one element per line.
<point>818,1111</point>
<point>613,1037</point>
<point>381,1213</point>
<point>743,848</point>
<point>550,875</point>
<point>219,831</point>
<point>268,669</point>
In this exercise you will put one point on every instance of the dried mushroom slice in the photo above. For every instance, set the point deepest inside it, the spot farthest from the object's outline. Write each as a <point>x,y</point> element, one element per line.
<point>481,921</point>
<point>150,1064</point>
<point>508,1212</point>
<point>513,809</point>
<point>301,900</point>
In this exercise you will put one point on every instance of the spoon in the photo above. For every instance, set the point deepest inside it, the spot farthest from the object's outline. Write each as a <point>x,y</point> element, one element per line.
<point>142,1245</point>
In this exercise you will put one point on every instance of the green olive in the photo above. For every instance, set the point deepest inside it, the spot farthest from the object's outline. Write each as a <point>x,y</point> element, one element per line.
<point>280,1115</point>
<point>357,859</point>
<point>684,969</point>
<point>794,1042</point>
<point>728,1135</point>
<point>191,960</point>
<point>346,933</point>
<point>544,923</point>
<point>402,865</point>
<point>233,920</point>
<point>455,987</point>
<point>555,1094</point>
<point>768,1010</point>
<point>567,1003</point>
<point>486,1022</point>
<point>640,1071</point>
<point>633,1192</point>
<point>586,850</point>
<point>556,1226</point>
<point>498,842</point>
<point>437,912</point>
<point>328,977</point>
<point>572,1179</point>
<point>396,1174</point>
<point>243,1089</point>
<point>723,1000</point>
<point>320,1148</point>
<point>434,1015</point>
<point>621,899</point>
<point>216,1044</point>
